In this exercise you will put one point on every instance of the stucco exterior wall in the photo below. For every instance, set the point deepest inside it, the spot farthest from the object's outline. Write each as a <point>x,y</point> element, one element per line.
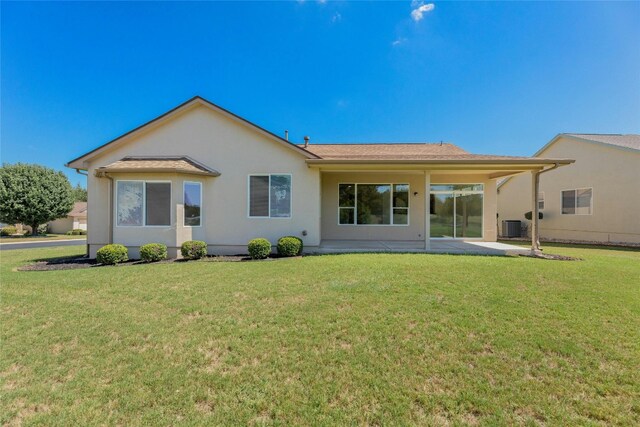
<point>611,172</point>
<point>419,182</point>
<point>415,230</point>
<point>61,225</point>
<point>236,151</point>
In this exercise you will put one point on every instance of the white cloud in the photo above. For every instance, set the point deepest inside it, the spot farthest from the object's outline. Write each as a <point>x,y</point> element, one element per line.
<point>336,17</point>
<point>322,1</point>
<point>420,9</point>
<point>398,41</point>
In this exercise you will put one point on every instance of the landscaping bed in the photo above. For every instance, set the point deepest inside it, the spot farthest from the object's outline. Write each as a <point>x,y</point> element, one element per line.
<point>73,263</point>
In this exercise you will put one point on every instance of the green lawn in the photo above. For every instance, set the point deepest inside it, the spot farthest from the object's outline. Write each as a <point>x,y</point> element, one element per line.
<point>345,339</point>
<point>16,239</point>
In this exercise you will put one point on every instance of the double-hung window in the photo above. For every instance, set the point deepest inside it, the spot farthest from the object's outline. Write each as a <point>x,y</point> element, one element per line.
<point>192,204</point>
<point>373,204</point>
<point>541,200</point>
<point>270,196</point>
<point>143,203</point>
<point>577,202</point>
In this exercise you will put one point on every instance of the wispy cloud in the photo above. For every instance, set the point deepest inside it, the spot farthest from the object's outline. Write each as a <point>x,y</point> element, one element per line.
<point>322,1</point>
<point>336,17</point>
<point>419,8</point>
<point>398,41</point>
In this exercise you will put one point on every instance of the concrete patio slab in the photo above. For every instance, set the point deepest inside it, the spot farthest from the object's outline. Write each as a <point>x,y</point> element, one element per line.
<point>437,247</point>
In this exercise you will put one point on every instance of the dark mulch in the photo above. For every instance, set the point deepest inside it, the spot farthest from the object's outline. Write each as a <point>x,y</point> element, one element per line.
<point>72,263</point>
<point>552,257</point>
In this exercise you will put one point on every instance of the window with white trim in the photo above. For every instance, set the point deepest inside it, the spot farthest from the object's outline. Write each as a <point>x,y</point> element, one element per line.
<point>192,204</point>
<point>270,196</point>
<point>541,200</point>
<point>373,204</point>
<point>577,202</point>
<point>143,203</point>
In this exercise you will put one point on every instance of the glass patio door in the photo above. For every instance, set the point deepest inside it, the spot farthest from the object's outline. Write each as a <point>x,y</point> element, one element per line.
<point>456,211</point>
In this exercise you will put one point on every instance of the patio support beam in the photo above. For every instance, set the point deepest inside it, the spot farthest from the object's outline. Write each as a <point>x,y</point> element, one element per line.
<point>535,234</point>
<point>427,210</point>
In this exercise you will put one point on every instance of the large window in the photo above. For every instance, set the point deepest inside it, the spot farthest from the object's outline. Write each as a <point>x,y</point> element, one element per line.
<point>577,202</point>
<point>373,204</point>
<point>541,200</point>
<point>192,204</point>
<point>270,196</point>
<point>141,203</point>
<point>456,210</point>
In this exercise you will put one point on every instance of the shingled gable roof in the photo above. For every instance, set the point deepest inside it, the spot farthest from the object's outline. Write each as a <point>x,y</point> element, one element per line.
<point>179,164</point>
<point>411,153</point>
<point>175,111</point>
<point>627,141</point>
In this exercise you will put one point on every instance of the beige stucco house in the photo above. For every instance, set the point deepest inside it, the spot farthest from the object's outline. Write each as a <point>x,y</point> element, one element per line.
<point>595,199</point>
<point>202,172</point>
<point>75,220</point>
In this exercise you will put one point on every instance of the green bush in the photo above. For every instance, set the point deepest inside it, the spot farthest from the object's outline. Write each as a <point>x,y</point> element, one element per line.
<point>43,229</point>
<point>9,230</point>
<point>529,215</point>
<point>152,252</point>
<point>112,254</point>
<point>194,249</point>
<point>289,246</point>
<point>77,232</point>
<point>259,248</point>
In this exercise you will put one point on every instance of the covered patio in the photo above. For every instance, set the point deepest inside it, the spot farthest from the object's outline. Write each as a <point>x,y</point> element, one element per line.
<point>437,246</point>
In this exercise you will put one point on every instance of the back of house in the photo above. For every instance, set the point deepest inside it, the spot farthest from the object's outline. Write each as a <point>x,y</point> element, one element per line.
<point>200,172</point>
<point>596,199</point>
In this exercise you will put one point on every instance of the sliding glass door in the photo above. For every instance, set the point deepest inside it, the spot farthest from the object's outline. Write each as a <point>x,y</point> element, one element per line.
<point>456,211</point>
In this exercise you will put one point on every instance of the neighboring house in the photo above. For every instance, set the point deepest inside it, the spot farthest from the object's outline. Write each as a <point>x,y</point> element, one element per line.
<point>595,199</point>
<point>75,220</point>
<point>201,172</point>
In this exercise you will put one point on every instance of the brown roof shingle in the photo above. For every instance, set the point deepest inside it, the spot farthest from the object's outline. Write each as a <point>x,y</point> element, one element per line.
<point>400,152</point>
<point>79,209</point>
<point>181,164</point>
<point>627,141</point>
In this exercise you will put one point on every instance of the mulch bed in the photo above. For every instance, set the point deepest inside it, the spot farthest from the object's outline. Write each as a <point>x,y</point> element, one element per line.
<point>552,257</point>
<point>73,263</point>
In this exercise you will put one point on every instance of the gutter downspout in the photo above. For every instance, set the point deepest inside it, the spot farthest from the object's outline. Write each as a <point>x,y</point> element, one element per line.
<point>110,206</point>
<point>79,171</point>
<point>535,233</point>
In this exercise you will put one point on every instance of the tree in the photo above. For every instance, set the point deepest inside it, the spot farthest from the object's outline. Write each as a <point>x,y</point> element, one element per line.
<point>79,193</point>
<point>33,195</point>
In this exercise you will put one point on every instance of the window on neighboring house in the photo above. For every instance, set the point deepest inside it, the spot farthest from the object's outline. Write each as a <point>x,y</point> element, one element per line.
<point>142,203</point>
<point>373,204</point>
<point>270,196</point>
<point>577,202</point>
<point>192,204</point>
<point>541,200</point>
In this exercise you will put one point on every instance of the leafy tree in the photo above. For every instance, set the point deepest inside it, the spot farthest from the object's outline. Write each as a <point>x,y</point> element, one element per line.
<point>33,195</point>
<point>79,193</point>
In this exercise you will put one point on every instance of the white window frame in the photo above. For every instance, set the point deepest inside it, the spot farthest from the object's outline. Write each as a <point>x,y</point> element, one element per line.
<point>455,222</point>
<point>144,203</point>
<point>576,201</point>
<point>269,174</point>
<point>540,199</point>
<point>184,218</point>
<point>355,205</point>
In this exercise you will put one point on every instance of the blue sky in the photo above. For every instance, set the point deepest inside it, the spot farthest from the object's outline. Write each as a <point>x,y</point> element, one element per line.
<point>496,78</point>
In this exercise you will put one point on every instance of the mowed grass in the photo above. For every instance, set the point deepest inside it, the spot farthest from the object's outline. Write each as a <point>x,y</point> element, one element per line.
<point>344,339</point>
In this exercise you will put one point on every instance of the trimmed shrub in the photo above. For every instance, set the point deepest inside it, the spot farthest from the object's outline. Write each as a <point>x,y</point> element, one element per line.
<point>9,230</point>
<point>529,215</point>
<point>77,232</point>
<point>43,229</point>
<point>289,246</point>
<point>259,248</point>
<point>152,252</point>
<point>112,254</point>
<point>194,249</point>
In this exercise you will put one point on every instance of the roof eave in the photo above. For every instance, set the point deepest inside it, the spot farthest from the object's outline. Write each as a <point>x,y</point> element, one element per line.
<point>157,170</point>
